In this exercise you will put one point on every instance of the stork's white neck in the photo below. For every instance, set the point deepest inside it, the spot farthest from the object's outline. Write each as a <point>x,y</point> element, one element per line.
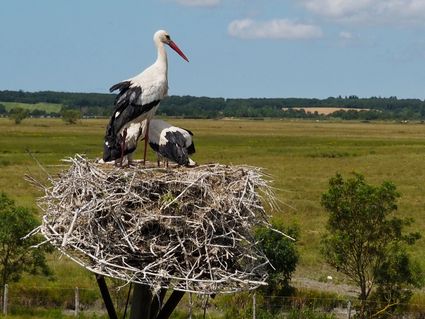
<point>161,60</point>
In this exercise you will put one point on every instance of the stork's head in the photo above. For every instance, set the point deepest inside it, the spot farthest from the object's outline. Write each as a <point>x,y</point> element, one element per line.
<point>164,37</point>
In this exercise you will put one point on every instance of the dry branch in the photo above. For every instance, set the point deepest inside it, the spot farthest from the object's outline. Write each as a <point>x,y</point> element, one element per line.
<point>188,229</point>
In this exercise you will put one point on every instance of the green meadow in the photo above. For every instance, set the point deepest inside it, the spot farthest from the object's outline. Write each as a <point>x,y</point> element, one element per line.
<point>47,107</point>
<point>300,157</point>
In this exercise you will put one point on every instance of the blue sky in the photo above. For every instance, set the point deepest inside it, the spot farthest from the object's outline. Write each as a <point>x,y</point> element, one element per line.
<point>236,48</point>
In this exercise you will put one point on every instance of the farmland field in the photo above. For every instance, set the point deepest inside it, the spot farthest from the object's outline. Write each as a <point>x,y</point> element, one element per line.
<point>47,107</point>
<point>301,156</point>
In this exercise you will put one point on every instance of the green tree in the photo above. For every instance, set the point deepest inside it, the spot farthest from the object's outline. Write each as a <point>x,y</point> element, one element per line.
<point>364,239</point>
<point>18,114</point>
<point>394,279</point>
<point>16,254</point>
<point>283,256</point>
<point>71,116</point>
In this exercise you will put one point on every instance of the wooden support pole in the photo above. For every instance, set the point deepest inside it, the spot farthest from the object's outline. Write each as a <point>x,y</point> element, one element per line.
<point>157,303</point>
<point>190,305</point>
<point>141,302</point>
<point>5,297</point>
<point>77,301</point>
<point>254,304</point>
<point>106,297</point>
<point>126,303</point>
<point>170,305</point>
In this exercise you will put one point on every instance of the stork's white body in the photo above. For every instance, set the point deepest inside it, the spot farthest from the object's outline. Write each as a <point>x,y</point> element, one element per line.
<point>153,82</point>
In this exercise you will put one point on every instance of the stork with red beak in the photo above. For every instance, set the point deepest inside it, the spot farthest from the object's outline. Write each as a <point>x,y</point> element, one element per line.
<point>137,100</point>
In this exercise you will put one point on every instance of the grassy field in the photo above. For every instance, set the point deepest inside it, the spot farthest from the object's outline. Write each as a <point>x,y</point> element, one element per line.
<point>301,157</point>
<point>47,107</point>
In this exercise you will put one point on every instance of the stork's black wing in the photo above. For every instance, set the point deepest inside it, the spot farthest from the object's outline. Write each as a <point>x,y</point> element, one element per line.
<point>175,148</point>
<point>191,147</point>
<point>128,107</point>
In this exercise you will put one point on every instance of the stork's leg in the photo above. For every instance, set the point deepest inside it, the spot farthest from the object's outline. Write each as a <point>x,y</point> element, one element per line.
<point>146,141</point>
<point>158,161</point>
<point>124,136</point>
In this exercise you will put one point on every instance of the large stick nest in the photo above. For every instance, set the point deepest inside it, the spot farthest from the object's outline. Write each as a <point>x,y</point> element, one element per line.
<point>190,229</point>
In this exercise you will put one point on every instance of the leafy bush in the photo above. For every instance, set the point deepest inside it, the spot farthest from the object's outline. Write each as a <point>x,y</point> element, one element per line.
<point>283,255</point>
<point>70,116</point>
<point>16,255</point>
<point>18,114</point>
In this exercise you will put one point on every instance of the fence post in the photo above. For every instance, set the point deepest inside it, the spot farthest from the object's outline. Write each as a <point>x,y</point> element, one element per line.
<point>5,295</point>
<point>349,309</point>
<point>254,301</point>
<point>190,305</point>
<point>77,301</point>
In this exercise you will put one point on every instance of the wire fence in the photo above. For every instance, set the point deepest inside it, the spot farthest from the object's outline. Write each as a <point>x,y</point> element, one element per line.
<point>67,300</point>
<point>338,308</point>
<point>77,301</point>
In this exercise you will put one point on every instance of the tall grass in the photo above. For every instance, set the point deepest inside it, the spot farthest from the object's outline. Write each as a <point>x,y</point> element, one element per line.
<point>300,156</point>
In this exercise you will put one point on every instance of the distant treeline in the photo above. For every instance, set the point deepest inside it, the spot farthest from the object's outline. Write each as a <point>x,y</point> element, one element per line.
<point>99,104</point>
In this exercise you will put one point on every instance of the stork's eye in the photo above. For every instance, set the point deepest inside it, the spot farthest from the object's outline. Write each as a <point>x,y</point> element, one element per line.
<point>167,37</point>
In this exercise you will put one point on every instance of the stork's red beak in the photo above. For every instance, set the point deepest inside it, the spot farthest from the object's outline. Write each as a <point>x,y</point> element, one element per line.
<point>176,48</point>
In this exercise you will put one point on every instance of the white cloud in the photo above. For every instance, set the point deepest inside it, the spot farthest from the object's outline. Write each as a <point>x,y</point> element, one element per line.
<point>346,35</point>
<point>393,12</point>
<point>349,39</point>
<point>199,3</point>
<point>336,8</point>
<point>273,29</point>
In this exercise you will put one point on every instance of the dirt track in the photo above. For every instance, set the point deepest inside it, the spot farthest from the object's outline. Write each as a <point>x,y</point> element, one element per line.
<point>340,289</point>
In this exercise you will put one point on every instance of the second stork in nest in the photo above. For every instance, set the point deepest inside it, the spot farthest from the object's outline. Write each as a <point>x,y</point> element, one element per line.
<point>171,143</point>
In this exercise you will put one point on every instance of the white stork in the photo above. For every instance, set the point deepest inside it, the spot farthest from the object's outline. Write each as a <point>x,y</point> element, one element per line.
<point>171,142</point>
<point>137,100</point>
